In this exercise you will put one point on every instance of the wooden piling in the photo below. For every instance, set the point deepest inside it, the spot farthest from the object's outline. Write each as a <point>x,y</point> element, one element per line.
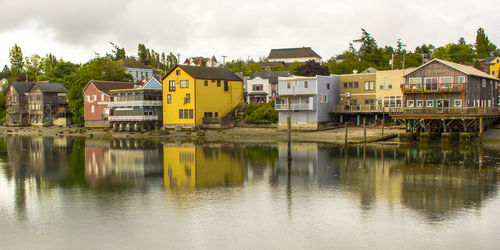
<point>346,133</point>
<point>364,129</point>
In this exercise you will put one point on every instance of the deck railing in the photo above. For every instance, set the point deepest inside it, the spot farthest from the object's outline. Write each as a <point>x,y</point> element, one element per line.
<point>134,118</point>
<point>135,103</point>
<point>360,109</point>
<point>444,111</point>
<point>432,88</point>
<point>294,106</point>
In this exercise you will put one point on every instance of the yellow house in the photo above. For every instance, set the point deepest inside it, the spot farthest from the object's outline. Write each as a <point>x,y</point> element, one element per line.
<point>494,65</point>
<point>388,87</point>
<point>193,96</point>
<point>188,166</point>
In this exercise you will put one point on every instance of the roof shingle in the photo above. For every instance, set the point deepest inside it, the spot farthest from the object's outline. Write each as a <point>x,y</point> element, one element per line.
<point>210,73</point>
<point>292,53</point>
<point>105,86</point>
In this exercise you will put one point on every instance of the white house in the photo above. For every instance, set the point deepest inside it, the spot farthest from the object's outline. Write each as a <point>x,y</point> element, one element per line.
<point>263,86</point>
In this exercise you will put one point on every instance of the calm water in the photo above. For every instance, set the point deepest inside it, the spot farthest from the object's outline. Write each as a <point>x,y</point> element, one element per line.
<point>93,194</point>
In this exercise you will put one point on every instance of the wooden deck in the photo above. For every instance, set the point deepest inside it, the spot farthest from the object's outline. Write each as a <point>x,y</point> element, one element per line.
<point>440,113</point>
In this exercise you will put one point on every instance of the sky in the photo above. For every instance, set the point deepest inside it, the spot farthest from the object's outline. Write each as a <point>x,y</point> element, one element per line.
<point>76,30</point>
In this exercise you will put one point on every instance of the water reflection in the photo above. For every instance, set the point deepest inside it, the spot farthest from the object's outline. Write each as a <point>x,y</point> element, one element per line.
<point>438,183</point>
<point>121,161</point>
<point>208,166</point>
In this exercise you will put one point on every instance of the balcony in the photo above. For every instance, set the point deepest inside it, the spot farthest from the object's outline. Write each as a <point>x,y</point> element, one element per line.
<point>133,118</point>
<point>429,88</point>
<point>444,112</point>
<point>140,103</point>
<point>296,103</point>
<point>360,109</point>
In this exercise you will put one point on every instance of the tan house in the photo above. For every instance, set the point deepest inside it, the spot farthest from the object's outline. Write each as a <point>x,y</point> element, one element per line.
<point>357,92</point>
<point>388,84</point>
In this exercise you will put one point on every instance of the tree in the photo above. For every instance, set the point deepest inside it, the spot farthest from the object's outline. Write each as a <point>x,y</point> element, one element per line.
<point>292,67</point>
<point>312,68</point>
<point>118,53</point>
<point>16,61</point>
<point>251,68</point>
<point>171,62</point>
<point>485,48</point>
<point>34,66</point>
<point>5,72</point>
<point>100,68</point>
<point>464,54</point>
<point>369,50</point>
<point>143,54</point>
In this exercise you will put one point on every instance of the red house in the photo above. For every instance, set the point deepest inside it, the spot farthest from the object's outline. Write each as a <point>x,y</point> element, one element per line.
<point>95,101</point>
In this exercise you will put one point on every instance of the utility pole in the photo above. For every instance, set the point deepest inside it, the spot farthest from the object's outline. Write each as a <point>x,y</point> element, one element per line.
<point>224,60</point>
<point>392,62</point>
<point>178,58</point>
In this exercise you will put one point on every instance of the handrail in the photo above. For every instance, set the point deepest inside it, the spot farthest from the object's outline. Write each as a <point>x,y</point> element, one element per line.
<point>444,110</point>
<point>432,87</point>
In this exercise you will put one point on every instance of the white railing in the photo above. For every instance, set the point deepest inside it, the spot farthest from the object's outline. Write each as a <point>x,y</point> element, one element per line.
<point>294,106</point>
<point>135,103</point>
<point>134,118</point>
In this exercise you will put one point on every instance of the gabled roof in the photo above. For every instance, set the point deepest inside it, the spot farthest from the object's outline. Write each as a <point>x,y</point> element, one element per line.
<point>49,87</point>
<point>292,53</point>
<point>489,60</point>
<point>21,87</point>
<point>272,76</point>
<point>106,86</point>
<point>208,73</point>
<point>152,83</point>
<point>130,63</point>
<point>468,70</point>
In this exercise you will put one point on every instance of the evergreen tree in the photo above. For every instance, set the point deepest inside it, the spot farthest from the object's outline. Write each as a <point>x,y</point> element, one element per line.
<point>485,48</point>
<point>5,72</point>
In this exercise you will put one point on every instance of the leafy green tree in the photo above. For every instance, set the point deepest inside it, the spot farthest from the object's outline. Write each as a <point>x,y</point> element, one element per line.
<point>171,61</point>
<point>279,67</point>
<point>251,68</point>
<point>464,54</point>
<point>100,68</point>
<point>292,67</point>
<point>424,49</point>
<point>369,50</point>
<point>348,65</point>
<point>118,53</point>
<point>485,48</point>
<point>235,66</point>
<point>264,113</point>
<point>143,54</point>
<point>16,61</point>
<point>34,67</point>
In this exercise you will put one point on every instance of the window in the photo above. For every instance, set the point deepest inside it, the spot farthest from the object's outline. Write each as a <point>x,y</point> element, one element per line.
<point>483,83</point>
<point>345,84</point>
<point>288,84</point>
<point>190,114</point>
<point>257,87</point>
<point>178,72</point>
<point>181,113</point>
<point>169,98</point>
<point>431,83</point>
<point>492,72</point>
<point>206,83</point>
<point>94,98</point>
<point>226,86</point>
<point>429,103</point>
<point>410,103</point>
<point>457,103</point>
<point>320,98</point>
<point>325,99</point>
<point>218,83</point>
<point>351,85</point>
<point>188,98</point>
<point>306,84</point>
<point>184,84</point>
<point>414,80</point>
<point>171,85</point>
<point>216,114</point>
<point>420,103</point>
<point>369,85</point>
<point>461,79</point>
<point>102,97</point>
<point>186,114</point>
<point>356,84</point>
<point>327,86</point>
<point>92,108</point>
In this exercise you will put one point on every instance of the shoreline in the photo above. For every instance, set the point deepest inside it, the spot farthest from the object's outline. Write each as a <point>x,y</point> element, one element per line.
<point>237,134</point>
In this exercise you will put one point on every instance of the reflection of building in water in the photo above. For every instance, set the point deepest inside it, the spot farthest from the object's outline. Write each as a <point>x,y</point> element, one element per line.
<point>210,166</point>
<point>33,159</point>
<point>312,161</point>
<point>123,158</point>
<point>435,183</point>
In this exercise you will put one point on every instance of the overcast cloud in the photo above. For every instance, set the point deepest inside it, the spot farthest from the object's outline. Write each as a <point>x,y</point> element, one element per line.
<point>76,30</point>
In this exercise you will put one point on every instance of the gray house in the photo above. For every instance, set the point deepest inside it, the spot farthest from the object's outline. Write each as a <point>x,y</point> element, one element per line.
<point>307,100</point>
